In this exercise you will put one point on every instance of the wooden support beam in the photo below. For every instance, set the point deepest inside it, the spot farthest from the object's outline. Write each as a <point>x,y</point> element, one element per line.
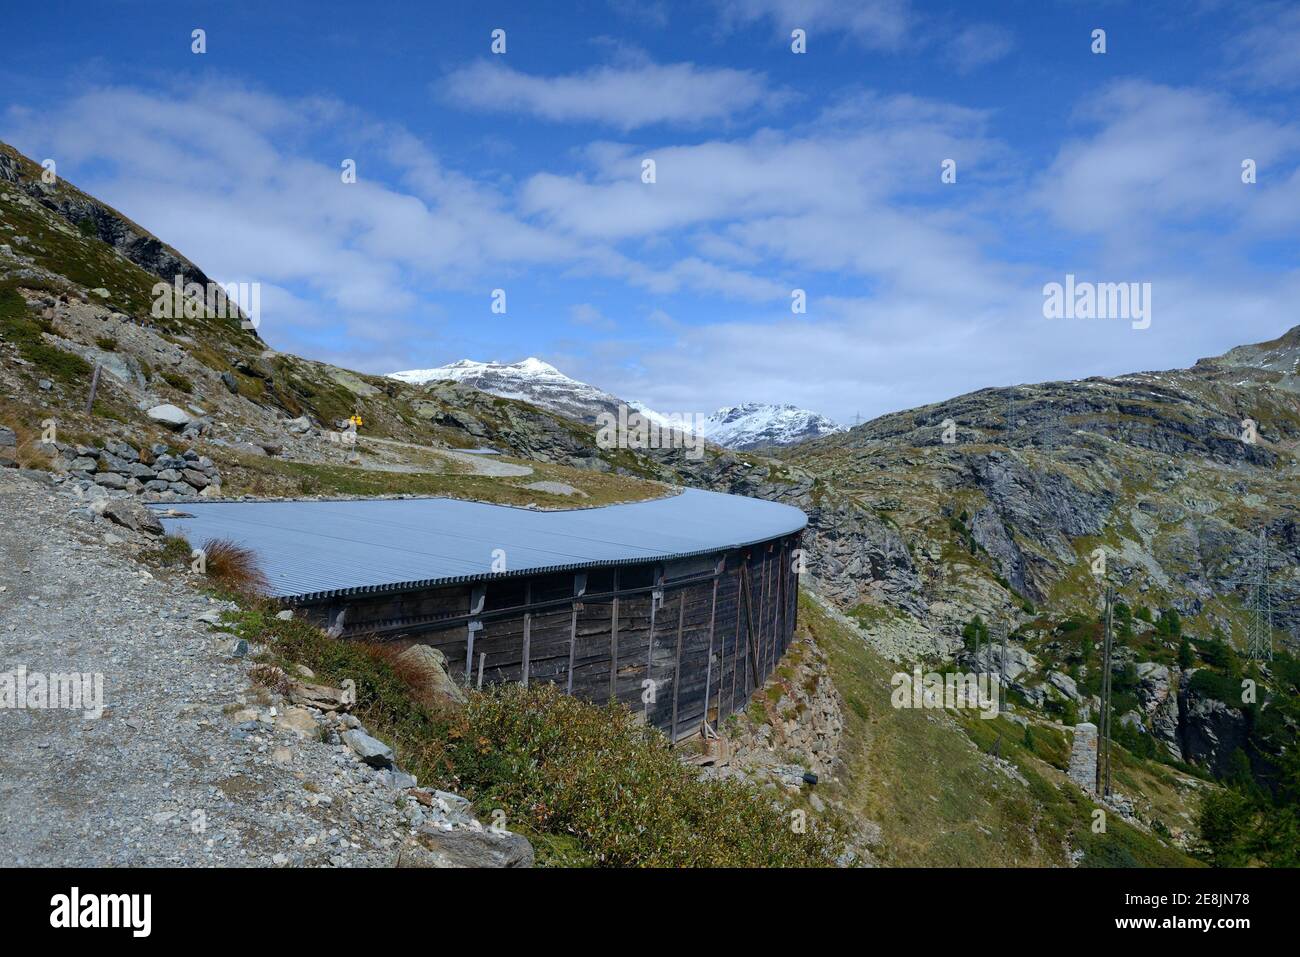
<point>613,643</point>
<point>470,628</point>
<point>528,632</point>
<point>579,589</point>
<point>750,641</point>
<point>764,650</point>
<point>677,663</point>
<point>708,668</point>
<point>656,596</point>
<point>476,600</point>
<point>735,650</point>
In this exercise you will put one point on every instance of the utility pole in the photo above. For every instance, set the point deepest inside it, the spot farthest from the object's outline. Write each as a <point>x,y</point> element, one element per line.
<point>1103,723</point>
<point>1002,674</point>
<point>1259,629</point>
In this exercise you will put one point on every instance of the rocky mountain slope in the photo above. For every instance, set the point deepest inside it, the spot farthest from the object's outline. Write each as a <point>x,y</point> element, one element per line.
<point>756,425</point>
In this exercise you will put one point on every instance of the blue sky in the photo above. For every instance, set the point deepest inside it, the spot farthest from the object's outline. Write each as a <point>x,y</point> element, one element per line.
<point>775,171</point>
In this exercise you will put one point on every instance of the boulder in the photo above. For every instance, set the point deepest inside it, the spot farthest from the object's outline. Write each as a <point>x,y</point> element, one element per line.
<point>131,514</point>
<point>370,750</point>
<point>466,847</point>
<point>169,415</point>
<point>323,697</point>
<point>432,665</point>
<point>1064,684</point>
<point>111,480</point>
<point>297,721</point>
<point>8,438</point>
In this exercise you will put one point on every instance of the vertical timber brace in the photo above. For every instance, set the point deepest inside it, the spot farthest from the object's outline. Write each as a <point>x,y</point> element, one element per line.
<point>528,631</point>
<point>613,642</point>
<point>750,640</point>
<point>708,667</point>
<point>677,661</point>
<point>579,589</point>
<point>476,599</point>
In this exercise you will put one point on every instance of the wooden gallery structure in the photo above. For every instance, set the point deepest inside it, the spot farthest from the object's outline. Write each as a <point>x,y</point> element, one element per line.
<point>677,607</point>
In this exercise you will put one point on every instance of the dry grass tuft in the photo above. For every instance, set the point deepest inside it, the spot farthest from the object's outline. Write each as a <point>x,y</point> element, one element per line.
<point>234,567</point>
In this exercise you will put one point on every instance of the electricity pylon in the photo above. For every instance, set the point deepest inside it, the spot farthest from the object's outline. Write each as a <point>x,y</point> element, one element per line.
<point>1103,722</point>
<point>1259,629</point>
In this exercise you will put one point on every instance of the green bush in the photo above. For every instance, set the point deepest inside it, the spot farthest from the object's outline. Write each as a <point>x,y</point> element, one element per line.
<point>567,773</point>
<point>1221,687</point>
<point>564,766</point>
<point>18,327</point>
<point>178,382</point>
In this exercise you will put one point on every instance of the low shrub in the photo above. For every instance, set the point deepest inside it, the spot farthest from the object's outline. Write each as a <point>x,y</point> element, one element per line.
<point>587,784</point>
<point>566,766</point>
<point>233,567</point>
<point>178,382</point>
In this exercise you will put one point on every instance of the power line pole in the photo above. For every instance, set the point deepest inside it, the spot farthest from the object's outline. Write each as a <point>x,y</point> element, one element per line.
<point>1002,674</point>
<point>1260,630</point>
<point>1103,737</point>
<point>1259,627</point>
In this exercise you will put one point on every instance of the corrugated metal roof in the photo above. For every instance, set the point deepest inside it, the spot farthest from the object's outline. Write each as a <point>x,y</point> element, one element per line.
<point>321,549</point>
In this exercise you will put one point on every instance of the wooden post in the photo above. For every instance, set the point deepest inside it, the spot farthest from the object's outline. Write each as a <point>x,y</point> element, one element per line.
<point>470,628</point>
<point>750,641</point>
<point>579,589</point>
<point>528,629</point>
<point>656,595</point>
<point>763,649</point>
<point>735,651</point>
<point>476,600</point>
<point>708,667</point>
<point>613,643</point>
<point>677,663</point>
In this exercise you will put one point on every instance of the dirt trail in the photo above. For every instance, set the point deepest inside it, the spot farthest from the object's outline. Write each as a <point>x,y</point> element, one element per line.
<point>166,776</point>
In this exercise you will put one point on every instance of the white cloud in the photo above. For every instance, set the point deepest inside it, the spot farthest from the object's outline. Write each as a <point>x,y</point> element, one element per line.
<point>879,24</point>
<point>978,45</point>
<point>626,96</point>
<point>1165,161</point>
<point>1267,53</point>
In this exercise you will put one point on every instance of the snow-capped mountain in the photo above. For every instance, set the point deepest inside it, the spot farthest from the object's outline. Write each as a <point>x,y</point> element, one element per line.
<point>531,380</point>
<point>755,424</point>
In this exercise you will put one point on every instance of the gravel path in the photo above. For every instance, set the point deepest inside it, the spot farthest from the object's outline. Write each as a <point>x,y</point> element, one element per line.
<point>187,765</point>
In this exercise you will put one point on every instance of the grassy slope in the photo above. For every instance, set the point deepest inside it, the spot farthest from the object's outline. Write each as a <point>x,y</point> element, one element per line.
<point>925,778</point>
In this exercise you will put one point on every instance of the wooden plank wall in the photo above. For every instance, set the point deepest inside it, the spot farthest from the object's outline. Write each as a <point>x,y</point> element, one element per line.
<point>696,653</point>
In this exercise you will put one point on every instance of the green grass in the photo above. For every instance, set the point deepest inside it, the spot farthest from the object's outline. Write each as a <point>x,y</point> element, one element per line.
<point>178,382</point>
<point>588,784</point>
<point>938,800</point>
<point>255,475</point>
<point>17,326</point>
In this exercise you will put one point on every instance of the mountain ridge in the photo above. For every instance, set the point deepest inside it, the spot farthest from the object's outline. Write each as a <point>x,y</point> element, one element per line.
<point>749,426</point>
